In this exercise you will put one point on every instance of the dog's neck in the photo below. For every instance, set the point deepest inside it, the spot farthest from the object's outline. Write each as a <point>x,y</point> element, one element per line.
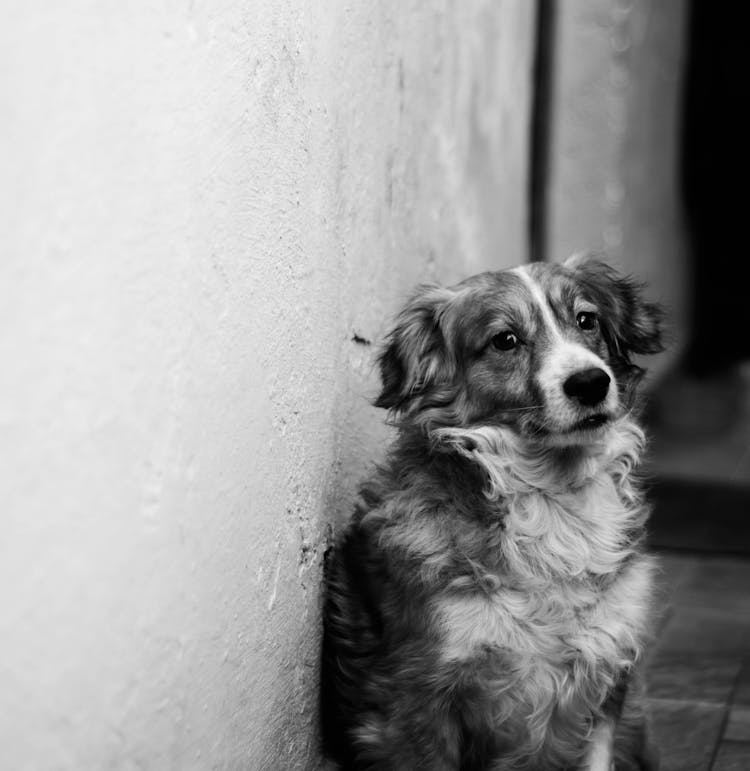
<point>513,465</point>
<point>570,513</point>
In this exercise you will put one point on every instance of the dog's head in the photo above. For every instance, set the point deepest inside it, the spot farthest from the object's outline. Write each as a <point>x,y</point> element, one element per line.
<point>543,349</point>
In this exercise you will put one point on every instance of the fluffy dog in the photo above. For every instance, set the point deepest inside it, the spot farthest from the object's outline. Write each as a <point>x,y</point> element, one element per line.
<point>488,603</point>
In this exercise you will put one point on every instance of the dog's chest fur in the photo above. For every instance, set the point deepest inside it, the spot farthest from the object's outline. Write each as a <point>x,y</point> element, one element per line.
<point>568,591</point>
<point>563,612</point>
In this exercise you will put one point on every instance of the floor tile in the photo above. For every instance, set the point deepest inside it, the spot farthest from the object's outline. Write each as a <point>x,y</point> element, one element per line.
<point>708,631</point>
<point>672,574</point>
<point>686,733</point>
<point>732,756</point>
<point>692,677</point>
<point>738,725</point>
<point>717,583</point>
<point>675,571</point>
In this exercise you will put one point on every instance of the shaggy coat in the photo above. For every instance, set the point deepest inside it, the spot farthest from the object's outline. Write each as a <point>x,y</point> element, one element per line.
<point>488,603</point>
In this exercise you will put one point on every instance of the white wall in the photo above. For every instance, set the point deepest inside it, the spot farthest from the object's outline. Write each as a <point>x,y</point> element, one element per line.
<point>614,124</point>
<point>201,203</point>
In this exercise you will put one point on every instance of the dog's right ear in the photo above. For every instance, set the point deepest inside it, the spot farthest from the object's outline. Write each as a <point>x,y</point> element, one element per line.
<point>630,322</point>
<point>415,357</point>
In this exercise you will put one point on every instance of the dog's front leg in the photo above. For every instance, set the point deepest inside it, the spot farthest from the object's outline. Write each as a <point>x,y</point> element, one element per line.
<point>600,755</point>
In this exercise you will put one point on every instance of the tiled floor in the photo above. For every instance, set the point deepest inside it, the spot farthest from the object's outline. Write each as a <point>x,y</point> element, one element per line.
<point>699,668</point>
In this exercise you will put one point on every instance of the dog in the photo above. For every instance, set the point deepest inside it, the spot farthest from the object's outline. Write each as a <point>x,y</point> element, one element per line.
<point>488,604</point>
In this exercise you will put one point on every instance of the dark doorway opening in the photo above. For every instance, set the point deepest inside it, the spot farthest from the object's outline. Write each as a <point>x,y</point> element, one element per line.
<point>702,414</point>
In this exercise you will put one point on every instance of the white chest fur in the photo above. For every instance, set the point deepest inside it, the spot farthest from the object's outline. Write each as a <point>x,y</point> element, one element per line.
<point>564,603</point>
<point>568,535</point>
<point>572,586</point>
<point>551,626</point>
<point>563,644</point>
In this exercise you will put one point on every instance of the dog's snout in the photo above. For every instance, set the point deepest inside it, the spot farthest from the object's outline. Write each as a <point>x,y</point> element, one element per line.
<point>589,386</point>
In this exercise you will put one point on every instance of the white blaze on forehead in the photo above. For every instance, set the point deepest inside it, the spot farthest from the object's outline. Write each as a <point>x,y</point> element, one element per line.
<point>560,360</point>
<point>537,294</point>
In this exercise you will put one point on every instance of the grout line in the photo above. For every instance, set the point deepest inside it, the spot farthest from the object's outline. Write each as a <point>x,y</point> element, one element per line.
<point>693,702</point>
<point>727,712</point>
<point>720,738</point>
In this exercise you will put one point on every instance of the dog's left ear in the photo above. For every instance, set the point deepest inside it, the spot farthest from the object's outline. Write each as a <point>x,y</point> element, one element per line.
<point>414,362</point>
<point>630,323</point>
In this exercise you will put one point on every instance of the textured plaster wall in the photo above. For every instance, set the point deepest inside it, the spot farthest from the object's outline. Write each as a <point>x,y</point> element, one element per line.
<point>201,205</point>
<point>614,123</point>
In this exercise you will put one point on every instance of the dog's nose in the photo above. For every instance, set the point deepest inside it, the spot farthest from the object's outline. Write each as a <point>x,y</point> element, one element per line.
<point>589,386</point>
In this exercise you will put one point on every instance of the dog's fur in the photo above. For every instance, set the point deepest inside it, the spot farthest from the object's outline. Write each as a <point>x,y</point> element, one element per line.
<point>488,603</point>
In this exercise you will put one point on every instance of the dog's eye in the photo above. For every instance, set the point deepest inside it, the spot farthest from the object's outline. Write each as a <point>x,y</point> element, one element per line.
<point>505,341</point>
<point>587,320</point>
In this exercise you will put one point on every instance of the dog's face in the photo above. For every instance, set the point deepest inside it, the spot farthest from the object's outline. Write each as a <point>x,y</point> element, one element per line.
<point>544,349</point>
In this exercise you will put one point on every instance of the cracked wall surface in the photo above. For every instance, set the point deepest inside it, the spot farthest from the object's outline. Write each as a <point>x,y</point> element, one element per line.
<point>207,213</point>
